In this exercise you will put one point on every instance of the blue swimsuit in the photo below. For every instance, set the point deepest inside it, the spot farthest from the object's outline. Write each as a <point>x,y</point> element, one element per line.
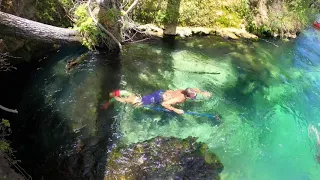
<point>153,98</point>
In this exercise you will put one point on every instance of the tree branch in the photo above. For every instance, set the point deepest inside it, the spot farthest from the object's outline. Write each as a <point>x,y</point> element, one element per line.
<point>132,6</point>
<point>9,110</point>
<point>101,26</point>
<point>125,4</point>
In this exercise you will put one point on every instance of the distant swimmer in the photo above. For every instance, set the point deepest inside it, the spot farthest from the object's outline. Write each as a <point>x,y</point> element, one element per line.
<point>165,98</point>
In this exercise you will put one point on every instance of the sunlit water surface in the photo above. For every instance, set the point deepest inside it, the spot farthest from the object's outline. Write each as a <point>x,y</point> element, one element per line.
<point>267,94</point>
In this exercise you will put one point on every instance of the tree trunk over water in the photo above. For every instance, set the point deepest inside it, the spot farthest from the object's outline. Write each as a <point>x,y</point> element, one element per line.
<point>115,25</point>
<point>11,25</point>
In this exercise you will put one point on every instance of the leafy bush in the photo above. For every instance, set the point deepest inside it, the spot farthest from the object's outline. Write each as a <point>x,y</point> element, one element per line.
<point>207,13</point>
<point>86,26</point>
<point>51,12</point>
<point>282,17</point>
<point>4,132</point>
<point>67,4</point>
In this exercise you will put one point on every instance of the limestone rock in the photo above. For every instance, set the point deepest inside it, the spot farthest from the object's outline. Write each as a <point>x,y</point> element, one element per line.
<point>234,33</point>
<point>151,29</point>
<point>202,31</point>
<point>163,158</point>
<point>184,31</point>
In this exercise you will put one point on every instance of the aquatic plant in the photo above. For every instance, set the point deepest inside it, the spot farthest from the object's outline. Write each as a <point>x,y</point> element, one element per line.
<point>163,158</point>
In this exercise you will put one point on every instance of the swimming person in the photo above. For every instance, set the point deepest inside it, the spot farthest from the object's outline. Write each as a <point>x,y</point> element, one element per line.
<point>161,97</point>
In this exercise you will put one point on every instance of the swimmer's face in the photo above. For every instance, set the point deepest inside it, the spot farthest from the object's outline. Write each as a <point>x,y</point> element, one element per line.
<point>190,93</point>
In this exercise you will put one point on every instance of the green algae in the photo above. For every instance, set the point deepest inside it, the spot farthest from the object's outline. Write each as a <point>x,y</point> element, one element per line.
<point>163,158</point>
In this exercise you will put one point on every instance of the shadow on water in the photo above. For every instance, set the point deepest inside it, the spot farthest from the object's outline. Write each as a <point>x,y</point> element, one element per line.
<point>55,137</point>
<point>253,62</point>
<point>147,68</point>
<point>38,129</point>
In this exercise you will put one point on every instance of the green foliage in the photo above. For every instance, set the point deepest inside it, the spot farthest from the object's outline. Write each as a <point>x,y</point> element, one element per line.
<point>67,4</point>
<point>6,123</point>
<point>51,12</point>
<point>112,15</point>
<point>206,13</point>
<point>4,132</point>
<point>109,18</point>
<point>86,26</point>
<point>282,17</point>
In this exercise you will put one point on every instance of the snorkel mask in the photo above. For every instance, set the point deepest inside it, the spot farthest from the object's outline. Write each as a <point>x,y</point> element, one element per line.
<point>190,93</point>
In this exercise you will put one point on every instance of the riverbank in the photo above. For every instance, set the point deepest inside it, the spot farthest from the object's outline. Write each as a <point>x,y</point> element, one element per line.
<point>232,19</point>
<point>228,33</point>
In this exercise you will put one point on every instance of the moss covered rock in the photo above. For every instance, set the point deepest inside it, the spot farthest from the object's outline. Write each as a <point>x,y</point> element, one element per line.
<point>163,158</point>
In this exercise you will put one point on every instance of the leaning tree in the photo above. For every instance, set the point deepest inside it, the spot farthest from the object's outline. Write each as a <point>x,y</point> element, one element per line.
<point>115,32</point>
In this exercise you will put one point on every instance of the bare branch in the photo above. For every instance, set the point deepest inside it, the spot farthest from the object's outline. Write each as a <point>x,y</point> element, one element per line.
<point>130,38</point>
<point>101,26</point>
<point>9,110</point>
<point>125,4</point>
<point>132,6</point>
<point>141,40</point>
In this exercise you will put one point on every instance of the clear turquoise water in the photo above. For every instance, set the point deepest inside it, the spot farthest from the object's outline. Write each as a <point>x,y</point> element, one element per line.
<point>266,92</point>
<point>268,96</point>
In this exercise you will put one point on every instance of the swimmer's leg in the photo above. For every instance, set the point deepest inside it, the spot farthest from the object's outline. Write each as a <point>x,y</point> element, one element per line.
<point>119,95</point>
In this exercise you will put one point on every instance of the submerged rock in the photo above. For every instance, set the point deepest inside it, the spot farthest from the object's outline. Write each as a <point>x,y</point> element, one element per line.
<point>163,158</point>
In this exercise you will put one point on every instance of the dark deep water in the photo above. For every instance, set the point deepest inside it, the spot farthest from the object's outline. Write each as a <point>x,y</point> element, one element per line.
<point>266,92</point>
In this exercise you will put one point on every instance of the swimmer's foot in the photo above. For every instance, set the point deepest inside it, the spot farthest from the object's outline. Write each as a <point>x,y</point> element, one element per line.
<point>105,106</point>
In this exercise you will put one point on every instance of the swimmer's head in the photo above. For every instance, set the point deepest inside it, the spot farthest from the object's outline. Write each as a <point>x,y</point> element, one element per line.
<point>190,93</point>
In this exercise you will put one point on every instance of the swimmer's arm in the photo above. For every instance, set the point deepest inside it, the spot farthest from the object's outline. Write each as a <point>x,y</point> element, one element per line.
<point>168,105</point>
<point>204,93</point>
<point>123,100</point>
<point>120,99</point>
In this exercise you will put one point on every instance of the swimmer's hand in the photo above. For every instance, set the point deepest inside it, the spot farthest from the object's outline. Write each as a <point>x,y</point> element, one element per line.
<point>179,111</point>
<point>105,106</point>
<point>206,94</point>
